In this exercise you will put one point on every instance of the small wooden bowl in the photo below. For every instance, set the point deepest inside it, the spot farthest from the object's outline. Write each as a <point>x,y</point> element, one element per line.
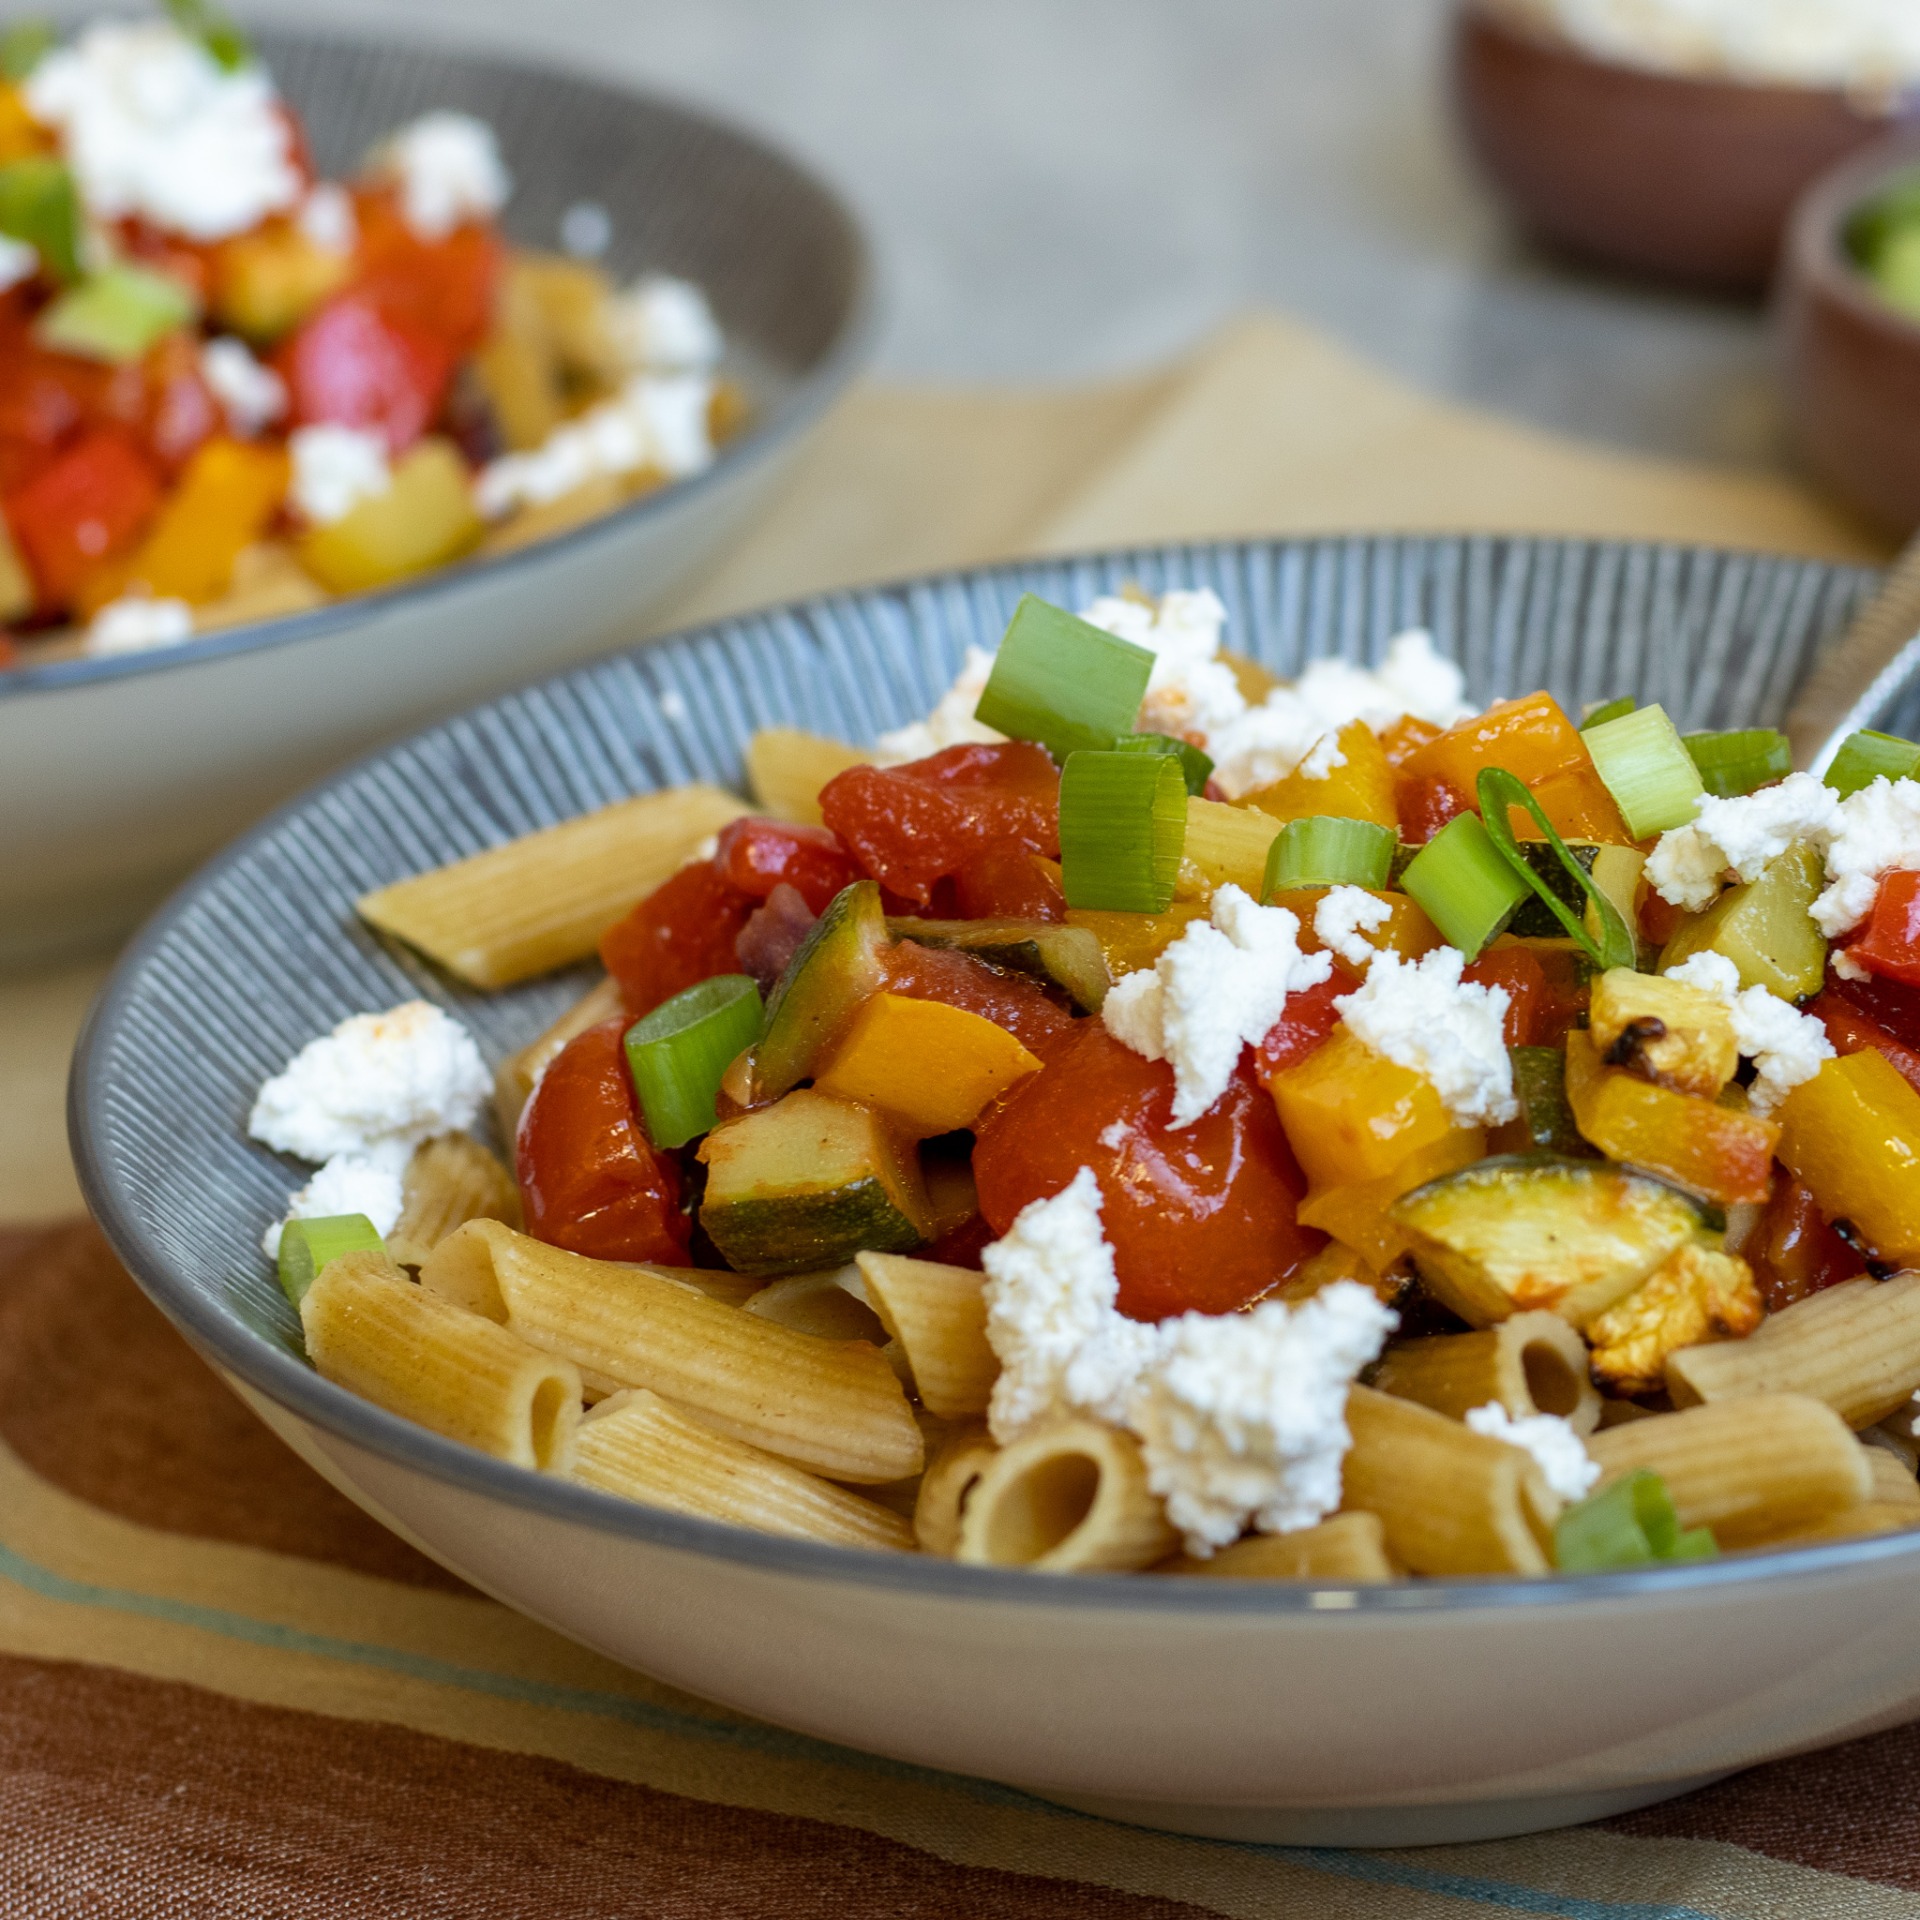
<point>1683,179</point>
<point>1851,360</point>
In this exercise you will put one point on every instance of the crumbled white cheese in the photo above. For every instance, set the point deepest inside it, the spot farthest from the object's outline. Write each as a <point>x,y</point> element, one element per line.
<point>656,421</point>
<point>1878,832</point>
<point>18,262</point>
<point>1190,692</point>
<point>448,170</point>
<point>326,217</point>
<point>369,1183</point>
<point>666,325</point>
<point>404,1075</point>
<point>1064,1347</point>
<point>1218,988</point>
<point>1746,833</point>
<point>1242,1416</point>
<point>253,396</point>
<point>334,469</point>
<point>137,623</point>
<point>155,128</point>
<point>1423,1016</point>
<point>586,230</point>
<point>1786,1045</point>
<point>1343,916</point>
<point>950,724</point>
<point>1564,1462</point>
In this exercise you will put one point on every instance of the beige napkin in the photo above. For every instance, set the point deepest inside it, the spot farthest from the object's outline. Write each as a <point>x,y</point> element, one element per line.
<point>1271,428</point>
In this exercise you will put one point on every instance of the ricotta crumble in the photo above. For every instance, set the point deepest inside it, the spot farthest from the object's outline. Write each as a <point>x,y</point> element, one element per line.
<point>1560,1454</point>
<point>1423,1016</point>
<point>1342,919</point>
<point>334,469</point>
<point>1786,1046</point>
<point>448,171</point>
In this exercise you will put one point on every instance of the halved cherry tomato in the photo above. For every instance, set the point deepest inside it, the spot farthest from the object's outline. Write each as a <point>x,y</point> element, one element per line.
<point>590,1179</point>
<point>80,512</point>
<point>1008,883</point>
<point>1009,1000</point>
<point>755,856</point>
<point>1201,1218</point>
<point>683,932</point>
<point>45,400</point>
<point>355,365</point>
<point>1890,944</point>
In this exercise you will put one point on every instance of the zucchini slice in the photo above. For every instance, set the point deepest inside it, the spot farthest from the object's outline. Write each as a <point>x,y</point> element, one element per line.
<point>809,1182</point>
<point>1065,957</point>
<point>1545,1122</point>
<point>1528,1231</point>
<point>839,966</point>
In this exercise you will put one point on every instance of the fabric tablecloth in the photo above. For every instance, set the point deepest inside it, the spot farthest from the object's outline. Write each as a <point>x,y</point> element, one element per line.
<point>225,1691</point>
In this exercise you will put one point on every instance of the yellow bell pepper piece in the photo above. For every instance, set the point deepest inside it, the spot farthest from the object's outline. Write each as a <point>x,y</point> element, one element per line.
<point>1851,1135</point>
<point>21,135</point>
<point>1130,941</point>
<point>425,518</point>
<point>1360,788</point>
<point>226,499</point>
<point>932,1067</point>
<point>1351,1114</point>
<point>1356,1214</point>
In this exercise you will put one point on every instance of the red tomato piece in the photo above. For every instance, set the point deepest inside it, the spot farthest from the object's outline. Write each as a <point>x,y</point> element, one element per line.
<point>1851,1031</point>
<point>444,289</point>
<point>87,506</point>
<point>1530,1011</point>
<point>962,1246</point>
<point>1425,805</point>
<point>1887,1003</point>
<point>1202,1218</point>
<point>590,1179</point>
<point>910,827</point>
<point>178,411</point>
<point>683,932</point>
<point>1795,1252</point>
<point>1009,1000</point>
<point>755,856</point>
<point>1890,945</point>
<point>1659,918</point>
<point>1305,1026</point>
<point>45,399</point>
<point>1008,883</point>
<point>354,365</point>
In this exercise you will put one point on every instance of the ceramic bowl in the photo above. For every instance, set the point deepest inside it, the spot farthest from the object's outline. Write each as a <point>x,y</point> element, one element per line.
<point>117,774</point>
<point>1688,180</point>
<point>1437,1710</point>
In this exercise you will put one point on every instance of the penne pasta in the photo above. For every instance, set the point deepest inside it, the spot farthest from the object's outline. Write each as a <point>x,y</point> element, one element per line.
<point>373,1331</point>
<point>939,1316</point>
<point>1893,1480</point>
<point>1228,845</point>
<point>1350,1546</point>
<point>830,1306</point>
<point>1870,1517</point>
<point>515,1077</point>
<point>786,769</point>
<point>544,900</point>
<point>639,1447</point>
<point>1763,1467</point>
<point>1449,1500</point>
<point>1532,1363</point>
<point>1071,1498</point>
<point>449,1181</point>
<point>1855,1346</point>
<point>832,1406</point>
<point>951,1475</point>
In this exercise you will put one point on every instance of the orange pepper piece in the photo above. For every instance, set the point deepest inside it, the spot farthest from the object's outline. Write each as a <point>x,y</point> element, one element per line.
<point>1355,1214</point>
<point>1352,1114</point>
<point>1852,1135</point>
<point>1531,737</point>
<point>1409,932</point>
<point>225,501</point>
<point>1579,806</point>
<point>1361,788</point>
<point>933,1067</point>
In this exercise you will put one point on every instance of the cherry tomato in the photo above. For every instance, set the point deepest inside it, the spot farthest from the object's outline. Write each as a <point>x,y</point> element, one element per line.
<point>1889,945</point>
<point>755,856</point>
<point>1008,883</point>
<point>354,365</point>
<point>1795,1252</point>
<point>684,931</point>
<point>1200,1218</point>
<point>81,511</point>
<point>1009,1000</point>
<point>1425,805</point>
<point>913,826</point>
<point>590,1179</point>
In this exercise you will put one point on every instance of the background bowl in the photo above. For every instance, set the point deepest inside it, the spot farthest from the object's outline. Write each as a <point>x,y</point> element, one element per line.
<point>1427,1712</point>
<point>1688,180</point>
<point>117,774</point>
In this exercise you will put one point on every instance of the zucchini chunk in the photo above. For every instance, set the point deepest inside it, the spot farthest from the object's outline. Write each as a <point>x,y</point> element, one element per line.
<point>808,1183</point>
<point>1533,919</point>
<point>1545,1122</point>
<point>1065,957</point>
<point>1528,1231</point>
<point>840,965</point>
<point>1765,927</point>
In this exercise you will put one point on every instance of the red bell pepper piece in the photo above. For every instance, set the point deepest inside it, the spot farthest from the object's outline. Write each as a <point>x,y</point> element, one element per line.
<point>86,507</point>
<point>444,289</point>
<point>1851,1031</point>
<point>683,932</point>
<point>355,365</point>
<point>1890,944</point>
<point>755,856</point>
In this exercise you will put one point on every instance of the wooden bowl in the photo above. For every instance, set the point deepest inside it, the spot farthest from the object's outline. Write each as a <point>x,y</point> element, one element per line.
<point>1684,179</point>
<point>1851,359</point>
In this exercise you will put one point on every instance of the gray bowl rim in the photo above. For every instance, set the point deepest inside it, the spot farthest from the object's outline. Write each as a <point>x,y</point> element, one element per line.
<point>764,436</point>
<point>297,1389</point>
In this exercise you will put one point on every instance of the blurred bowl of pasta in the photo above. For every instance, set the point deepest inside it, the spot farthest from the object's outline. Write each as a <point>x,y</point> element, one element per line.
<point>1328,1703</point>
<point>123,761</point>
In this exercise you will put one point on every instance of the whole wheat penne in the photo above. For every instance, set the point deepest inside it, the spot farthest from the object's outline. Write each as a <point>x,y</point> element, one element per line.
<point>1448,1499</point>
<point>831,1305</point>
<point>1855,1346</point>
<point>952,1474</point>
<point>1229,844</point>
<point>1071,1498</point>
<point>449,1181</point>
<point>1752,1469</point>
<point>834,1406</point>
<point>1871,1516</point>
<point>514,1078</point>
<point>373,1331</point>
<point>544,900</point>
<point>639,1447</point>
<point>1893,1480</point>
<point>786,769</point>
<point>939,1316</point>
<point>1350,1546</point>
<point>1895,1433</point>
<point>1532,1363</point>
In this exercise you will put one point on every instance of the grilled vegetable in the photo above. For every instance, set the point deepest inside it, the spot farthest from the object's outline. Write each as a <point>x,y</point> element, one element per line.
<point>839,966</point>
<point>1545,1122</point>
<point>1664,1030</point>
<point>1066,957</point>
<point>1697,1295</point>
<point>809,1182</point>
<point>1538,1231</point>
<point>1764,927</point>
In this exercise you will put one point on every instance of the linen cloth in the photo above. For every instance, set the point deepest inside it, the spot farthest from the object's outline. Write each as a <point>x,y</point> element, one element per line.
<point>225,1691</point>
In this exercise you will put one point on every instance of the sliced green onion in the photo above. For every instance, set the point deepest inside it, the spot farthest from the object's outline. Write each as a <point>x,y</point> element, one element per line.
<point>116,316</point>
<point>678,1053</point>
<point>1866,756</point>
<point>23,45</point>
<point>1601,711</point>
<point>1195,767</point>
<point>1328,852</point>
<point>38,205</point>
<point>1735,763</point>
<point>1648,770</point>
<point>214,30</point>
<point>1500,790</point>
<point>1063,683</point>
<point>1466,884</point>
<point>1123,825</point>
<point>1632,1524</point>
<point>307,1245</point>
